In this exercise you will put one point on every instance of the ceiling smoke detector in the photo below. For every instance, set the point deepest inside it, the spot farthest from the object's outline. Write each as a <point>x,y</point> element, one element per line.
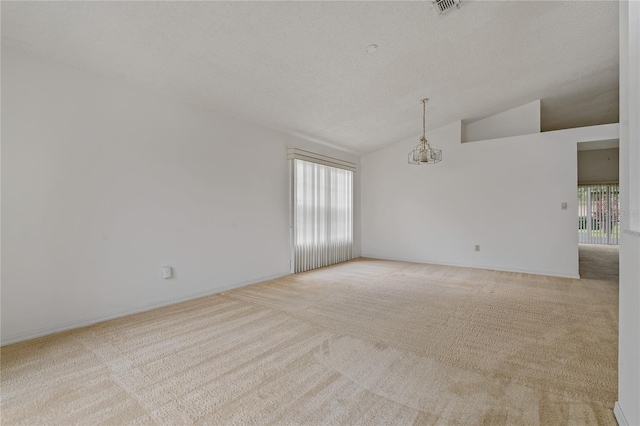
<point>446,5</point>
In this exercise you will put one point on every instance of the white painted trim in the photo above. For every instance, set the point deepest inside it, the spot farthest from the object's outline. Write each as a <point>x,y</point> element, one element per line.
<point>20,337</point>
<point>617,412</point>
<point>491,268</point>
<point>302,154</point>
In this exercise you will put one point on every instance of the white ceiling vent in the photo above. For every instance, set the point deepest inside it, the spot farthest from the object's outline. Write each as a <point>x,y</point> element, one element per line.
<point>445,5</point>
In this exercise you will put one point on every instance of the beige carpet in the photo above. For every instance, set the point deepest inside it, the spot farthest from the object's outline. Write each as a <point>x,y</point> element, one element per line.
<point>599,262</point>
<point>363,342</point>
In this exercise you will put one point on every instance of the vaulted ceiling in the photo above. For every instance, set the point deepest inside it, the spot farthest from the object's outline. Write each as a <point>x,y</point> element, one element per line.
<point>302,67</point>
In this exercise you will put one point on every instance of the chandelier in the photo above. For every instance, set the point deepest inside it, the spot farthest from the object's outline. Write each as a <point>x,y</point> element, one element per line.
<point>423,153</point>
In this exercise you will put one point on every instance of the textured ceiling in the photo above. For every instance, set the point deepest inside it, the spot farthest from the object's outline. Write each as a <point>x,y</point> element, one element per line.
<point>301,67</point>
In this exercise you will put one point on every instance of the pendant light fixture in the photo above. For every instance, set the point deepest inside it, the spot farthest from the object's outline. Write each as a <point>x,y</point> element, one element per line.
<point>424,153</point>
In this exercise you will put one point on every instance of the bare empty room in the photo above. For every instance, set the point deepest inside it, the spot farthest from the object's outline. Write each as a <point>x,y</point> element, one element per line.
<point>323,212</point>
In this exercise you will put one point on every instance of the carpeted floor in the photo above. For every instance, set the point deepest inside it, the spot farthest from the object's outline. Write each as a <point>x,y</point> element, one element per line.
<point>363,342</point>
<point>599,262</point>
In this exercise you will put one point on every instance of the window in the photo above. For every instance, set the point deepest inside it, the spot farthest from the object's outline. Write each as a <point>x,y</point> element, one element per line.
<point>323,215</point>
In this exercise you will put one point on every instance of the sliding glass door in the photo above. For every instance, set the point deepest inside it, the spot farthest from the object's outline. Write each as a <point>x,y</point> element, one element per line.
<point>323,215</point>
<point>599,214</point>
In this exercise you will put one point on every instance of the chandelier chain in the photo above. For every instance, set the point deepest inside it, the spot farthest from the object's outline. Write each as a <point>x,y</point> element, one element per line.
<point>424,117</point>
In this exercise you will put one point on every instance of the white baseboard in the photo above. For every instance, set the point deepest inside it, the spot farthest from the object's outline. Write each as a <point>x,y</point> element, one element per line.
<point>492,268</point>
<point>20,337</point>
<point>620,418</point>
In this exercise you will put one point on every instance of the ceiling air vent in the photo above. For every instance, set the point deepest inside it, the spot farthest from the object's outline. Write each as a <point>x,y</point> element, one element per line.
<point>445,5</point>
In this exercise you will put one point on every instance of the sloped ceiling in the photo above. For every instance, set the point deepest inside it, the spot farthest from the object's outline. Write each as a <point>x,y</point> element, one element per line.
<point>301,67</point>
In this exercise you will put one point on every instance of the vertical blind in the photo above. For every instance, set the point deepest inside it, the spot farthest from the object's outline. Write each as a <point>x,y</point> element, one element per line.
<point>323,215</point>
<point>599,213</point>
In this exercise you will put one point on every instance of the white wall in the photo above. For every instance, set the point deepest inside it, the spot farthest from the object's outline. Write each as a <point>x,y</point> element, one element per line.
<point>503,194</point>
<point>522,120</point>
<point>598,165</point>
<point>627,408</point>
<point>103,183</point>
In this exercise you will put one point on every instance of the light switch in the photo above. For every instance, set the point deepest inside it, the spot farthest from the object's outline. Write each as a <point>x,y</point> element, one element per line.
<point>563,206</point>
<point>167,272</point>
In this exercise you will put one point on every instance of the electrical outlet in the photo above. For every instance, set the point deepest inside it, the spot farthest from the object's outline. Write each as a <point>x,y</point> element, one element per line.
<point>563,206</point>
<point>477,247</point>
